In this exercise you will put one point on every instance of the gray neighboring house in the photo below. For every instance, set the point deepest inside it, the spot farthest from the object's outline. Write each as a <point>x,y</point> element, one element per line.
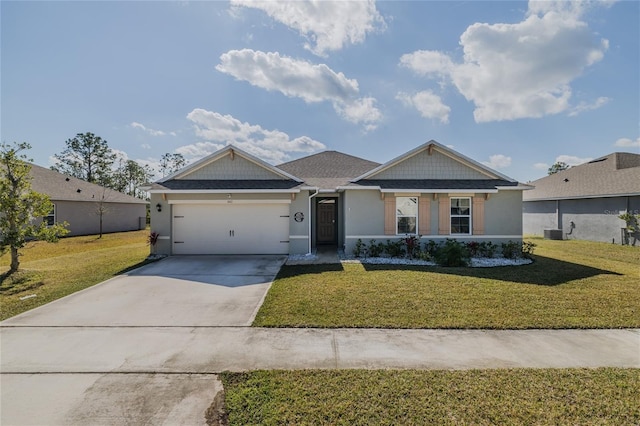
<point>584,201</point>
<point>231,202</point>
<point>79,202</point>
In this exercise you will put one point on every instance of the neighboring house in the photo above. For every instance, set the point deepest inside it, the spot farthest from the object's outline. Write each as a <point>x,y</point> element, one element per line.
<point>80,203</point>
<point>584,202</point>
<point>234,203</point>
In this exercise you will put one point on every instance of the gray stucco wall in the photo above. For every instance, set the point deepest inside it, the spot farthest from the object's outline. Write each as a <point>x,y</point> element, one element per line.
<point>299,231</point>
<point>502,213</point>
<point>84,218</point>
<point>595,219</point>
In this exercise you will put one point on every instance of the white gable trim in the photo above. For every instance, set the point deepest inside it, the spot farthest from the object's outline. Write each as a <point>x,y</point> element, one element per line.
<point>481,168</point>
<point>228,150</point>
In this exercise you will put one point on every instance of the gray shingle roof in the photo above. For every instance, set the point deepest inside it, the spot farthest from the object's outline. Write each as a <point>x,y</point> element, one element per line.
<point>61,187</point>
<point>328,169</point>
<point>427,184</point>
<point>614,174</point>
<point>226,184</point>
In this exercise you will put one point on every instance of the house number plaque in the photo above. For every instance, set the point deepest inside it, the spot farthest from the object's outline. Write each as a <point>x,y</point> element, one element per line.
<point>298,217</point>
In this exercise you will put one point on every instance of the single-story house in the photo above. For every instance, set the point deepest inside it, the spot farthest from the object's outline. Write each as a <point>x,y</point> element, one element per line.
<point>584,202</point>
<point>231,202</point>
<point>81,204</point>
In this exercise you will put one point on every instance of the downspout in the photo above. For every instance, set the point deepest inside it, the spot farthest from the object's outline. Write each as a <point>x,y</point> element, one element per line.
<point>310,215</point>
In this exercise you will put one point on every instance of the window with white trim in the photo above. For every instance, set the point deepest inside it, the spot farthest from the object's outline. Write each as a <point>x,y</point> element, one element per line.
<point>406,215</point>
<point>461,215</point>
<point>50,219</point>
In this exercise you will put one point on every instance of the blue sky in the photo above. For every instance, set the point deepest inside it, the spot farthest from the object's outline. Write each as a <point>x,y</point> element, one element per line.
<point>515,85</point>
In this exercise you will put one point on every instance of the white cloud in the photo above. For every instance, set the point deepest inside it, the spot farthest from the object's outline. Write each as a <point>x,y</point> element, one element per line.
<point>199,149</point>
<point>627,143</point>
<point>327,25</point>
<point>541,166</point>
<point>498,161</point>
<point>219,130</point>
<point>572,160</point>
<point>520,70</point>
<point>145,146</point>
<point>152,132</point>
<point>301,79</point>
<point>585,106</point>
<point>428,104</point>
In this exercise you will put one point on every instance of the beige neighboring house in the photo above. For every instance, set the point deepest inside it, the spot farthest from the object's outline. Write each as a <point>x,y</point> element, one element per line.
<point>79,203</point>
<point>584,201</point>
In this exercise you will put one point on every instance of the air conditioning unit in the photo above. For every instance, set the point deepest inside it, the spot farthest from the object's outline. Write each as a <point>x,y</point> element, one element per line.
<point>553,234</point>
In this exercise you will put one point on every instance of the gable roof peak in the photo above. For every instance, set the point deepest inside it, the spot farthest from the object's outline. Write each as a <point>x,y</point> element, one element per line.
<point>431,146</point>
<point>227,150</point>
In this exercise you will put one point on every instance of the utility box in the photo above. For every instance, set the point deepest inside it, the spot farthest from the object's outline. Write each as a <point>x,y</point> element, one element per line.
<point>553,234</point>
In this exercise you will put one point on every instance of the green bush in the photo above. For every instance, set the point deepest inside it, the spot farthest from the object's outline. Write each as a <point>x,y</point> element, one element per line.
<point>487,249</point>
<point>394,248</point>
<point>515,249</point>
<point>375,249</point>
<point>411,245</point>
<point>431,247</point>
<point>452,253</point>
<point>527,249</point>
<point>358,248</point>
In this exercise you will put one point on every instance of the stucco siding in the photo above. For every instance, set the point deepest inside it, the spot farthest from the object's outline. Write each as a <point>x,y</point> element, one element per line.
<point>364,212</point>
<point>594,219</point>
<point>299,231</point>
<point>227,169</point>
<point>425,166</point>
<point>503,213</point>
<point>84,217</point>
<point>538,216</point>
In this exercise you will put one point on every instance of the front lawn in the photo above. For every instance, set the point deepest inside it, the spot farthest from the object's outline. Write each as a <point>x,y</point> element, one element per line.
<point>571,284</point>
<point>605,396</point>
<point>51,271</point>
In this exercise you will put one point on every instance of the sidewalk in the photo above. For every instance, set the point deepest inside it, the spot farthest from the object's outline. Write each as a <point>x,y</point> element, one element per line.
<point>216,349</point>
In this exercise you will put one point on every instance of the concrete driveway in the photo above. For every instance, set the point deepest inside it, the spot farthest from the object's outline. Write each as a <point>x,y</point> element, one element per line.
<point>156,309</point>
<point>179,291</point>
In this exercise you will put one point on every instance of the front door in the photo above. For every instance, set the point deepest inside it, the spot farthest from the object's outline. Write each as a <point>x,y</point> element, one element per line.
<point>326,222</point>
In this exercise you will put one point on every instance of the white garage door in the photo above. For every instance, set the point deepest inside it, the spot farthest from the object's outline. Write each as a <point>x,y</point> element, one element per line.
<point>230,228</point>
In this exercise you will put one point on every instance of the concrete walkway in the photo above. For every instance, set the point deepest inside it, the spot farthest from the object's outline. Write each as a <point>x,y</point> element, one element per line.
<point>215,349</point>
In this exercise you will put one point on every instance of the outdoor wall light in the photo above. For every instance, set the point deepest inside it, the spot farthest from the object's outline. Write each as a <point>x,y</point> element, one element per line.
<point>159,207</point>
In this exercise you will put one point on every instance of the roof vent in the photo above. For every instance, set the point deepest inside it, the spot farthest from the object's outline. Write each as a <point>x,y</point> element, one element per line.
<point>566,180</point>
<point>79,190</point>
<point>67,179</point>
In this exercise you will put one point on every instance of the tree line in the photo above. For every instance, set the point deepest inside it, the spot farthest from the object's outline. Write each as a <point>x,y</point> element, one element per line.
<point>88,157</point>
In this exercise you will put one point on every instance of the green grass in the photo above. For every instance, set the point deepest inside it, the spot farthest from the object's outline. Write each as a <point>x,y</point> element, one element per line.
<point>605,396</point>
<point>571,284</point>
<point>51,271</point>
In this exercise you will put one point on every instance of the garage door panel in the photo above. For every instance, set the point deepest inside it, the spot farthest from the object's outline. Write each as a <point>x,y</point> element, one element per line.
<point>230,228</point>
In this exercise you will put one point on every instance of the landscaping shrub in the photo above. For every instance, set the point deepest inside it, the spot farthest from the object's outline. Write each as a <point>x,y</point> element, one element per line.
<point>487,249</point>
<point>511,249</point>
<point>394,248</point>
<point>430,247</point>
<point>452,253</point>
<point>473,247</point>
<point>527,249</point>
<point>375,249</point>
<point>358,249</point>
<point>412,245</point>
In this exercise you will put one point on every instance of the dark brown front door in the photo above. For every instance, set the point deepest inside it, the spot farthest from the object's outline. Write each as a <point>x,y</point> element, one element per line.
<point>326,223</point>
